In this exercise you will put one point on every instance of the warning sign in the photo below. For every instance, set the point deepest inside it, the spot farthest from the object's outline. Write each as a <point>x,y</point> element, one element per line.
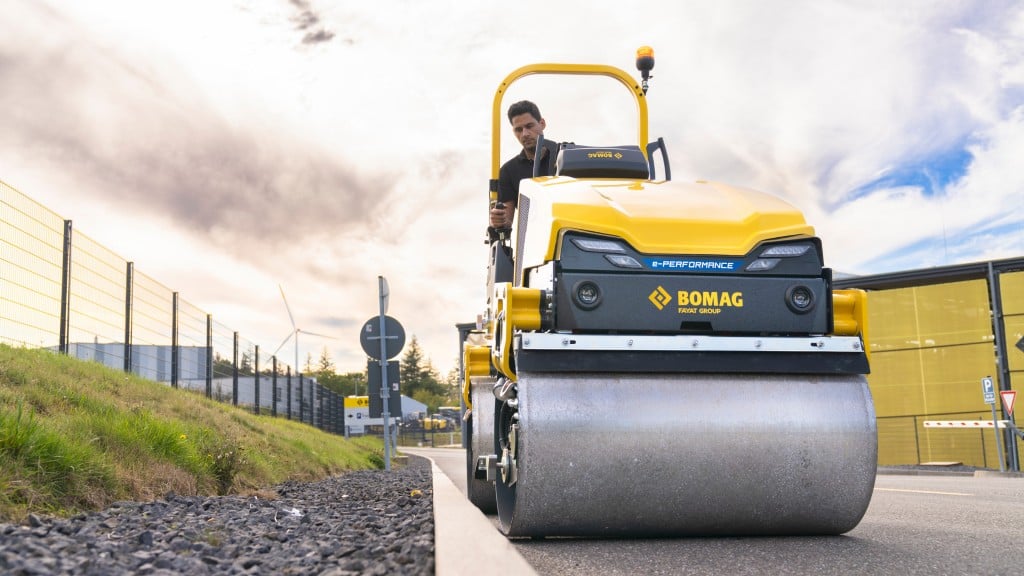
<point>1008,397</point>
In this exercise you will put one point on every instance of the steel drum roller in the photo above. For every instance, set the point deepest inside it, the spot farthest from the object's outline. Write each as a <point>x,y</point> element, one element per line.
<point>691,454</point>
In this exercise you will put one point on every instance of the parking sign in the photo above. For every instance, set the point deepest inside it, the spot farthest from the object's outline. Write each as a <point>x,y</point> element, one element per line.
<point>989,390</point>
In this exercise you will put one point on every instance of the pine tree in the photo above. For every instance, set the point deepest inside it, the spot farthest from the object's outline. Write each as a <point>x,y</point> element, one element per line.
<point>417,373</point>
<point>325,366</point>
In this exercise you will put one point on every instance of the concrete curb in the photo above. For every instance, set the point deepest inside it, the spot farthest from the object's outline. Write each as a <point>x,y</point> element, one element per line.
<point>466,541</point>
<point>997,474</point>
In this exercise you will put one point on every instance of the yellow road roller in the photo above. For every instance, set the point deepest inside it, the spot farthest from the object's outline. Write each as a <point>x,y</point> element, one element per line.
<point>662,358</point>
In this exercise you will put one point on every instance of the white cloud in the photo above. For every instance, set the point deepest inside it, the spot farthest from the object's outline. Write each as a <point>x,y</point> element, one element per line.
<point>263,158</point>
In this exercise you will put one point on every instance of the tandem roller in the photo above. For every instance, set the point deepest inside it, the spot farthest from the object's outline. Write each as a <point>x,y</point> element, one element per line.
<point>662,358</point>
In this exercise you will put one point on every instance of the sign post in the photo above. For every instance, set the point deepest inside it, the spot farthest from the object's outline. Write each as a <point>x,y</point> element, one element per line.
<point>988,390</point>
<point>382,285</point>
<point>382,338</point>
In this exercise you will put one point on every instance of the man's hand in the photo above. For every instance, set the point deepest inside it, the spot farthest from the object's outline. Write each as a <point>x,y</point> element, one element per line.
<point>501,215</point>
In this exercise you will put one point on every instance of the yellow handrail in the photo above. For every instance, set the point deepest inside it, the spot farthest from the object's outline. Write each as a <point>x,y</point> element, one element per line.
<point>568,69</point>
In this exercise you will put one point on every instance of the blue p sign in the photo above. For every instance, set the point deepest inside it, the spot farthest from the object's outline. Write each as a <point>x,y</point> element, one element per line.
<point>989,390</point>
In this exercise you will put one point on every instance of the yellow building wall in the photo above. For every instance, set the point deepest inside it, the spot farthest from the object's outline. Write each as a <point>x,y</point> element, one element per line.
<point>930,347</point>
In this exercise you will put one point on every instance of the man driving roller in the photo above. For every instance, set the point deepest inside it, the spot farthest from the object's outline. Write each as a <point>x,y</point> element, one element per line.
<point>527,125</point>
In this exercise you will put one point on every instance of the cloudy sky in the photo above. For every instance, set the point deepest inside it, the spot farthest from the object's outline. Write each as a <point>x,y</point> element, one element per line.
<point>228,147</point>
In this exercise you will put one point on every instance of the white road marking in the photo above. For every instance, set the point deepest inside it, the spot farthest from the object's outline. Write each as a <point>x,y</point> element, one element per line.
<point>923,492</point>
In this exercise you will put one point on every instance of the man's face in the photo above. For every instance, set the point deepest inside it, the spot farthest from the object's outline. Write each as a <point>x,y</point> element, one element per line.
<point>526,129</point>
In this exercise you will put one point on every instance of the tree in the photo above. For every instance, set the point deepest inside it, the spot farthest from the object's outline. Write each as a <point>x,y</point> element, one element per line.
<point>421,381</point>
<point>222,366</point>
<point>417,373</point>
<point>352,383</point>
<point>324,366</point>
<point>245,363</point>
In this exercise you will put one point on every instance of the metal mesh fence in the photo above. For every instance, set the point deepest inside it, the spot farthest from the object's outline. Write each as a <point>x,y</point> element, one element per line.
<point>193,352</point>
<point>905,440</point>
<point>61,290</point>
<point>31,267</point>
<point>96,303</point>
<point>151,321</point>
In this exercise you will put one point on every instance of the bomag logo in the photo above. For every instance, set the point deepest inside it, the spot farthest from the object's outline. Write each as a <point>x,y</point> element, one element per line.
<point>600,155</point>
<point>660,298</point>
<point>707,302</point>
<point>696,301</point>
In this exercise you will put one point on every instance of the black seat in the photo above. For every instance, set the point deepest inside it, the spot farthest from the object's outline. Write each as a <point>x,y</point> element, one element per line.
<point>601,162</point>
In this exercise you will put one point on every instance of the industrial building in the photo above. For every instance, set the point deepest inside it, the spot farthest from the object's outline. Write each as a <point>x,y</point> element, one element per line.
<point>934,334</point>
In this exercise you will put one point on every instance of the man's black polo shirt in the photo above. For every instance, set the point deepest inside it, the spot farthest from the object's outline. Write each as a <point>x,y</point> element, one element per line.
<point>521,167</point>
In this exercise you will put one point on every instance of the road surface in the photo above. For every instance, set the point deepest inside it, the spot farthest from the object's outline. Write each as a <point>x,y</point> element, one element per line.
<point>923,525</point>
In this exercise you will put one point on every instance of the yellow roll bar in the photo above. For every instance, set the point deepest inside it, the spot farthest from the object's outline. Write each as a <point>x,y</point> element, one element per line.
<point>567,69</point>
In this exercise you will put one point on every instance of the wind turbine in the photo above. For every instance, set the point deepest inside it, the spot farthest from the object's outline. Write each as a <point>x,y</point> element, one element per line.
<point>295,332</point>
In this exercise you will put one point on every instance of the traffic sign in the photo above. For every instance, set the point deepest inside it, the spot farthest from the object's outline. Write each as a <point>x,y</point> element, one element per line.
<point>989,390</point>
<point>1008,397</point>
<point>394,337</point>
<point>393,384</point>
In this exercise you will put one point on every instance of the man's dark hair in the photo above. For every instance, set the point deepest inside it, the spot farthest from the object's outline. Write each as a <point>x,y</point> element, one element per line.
<point>524,107</point>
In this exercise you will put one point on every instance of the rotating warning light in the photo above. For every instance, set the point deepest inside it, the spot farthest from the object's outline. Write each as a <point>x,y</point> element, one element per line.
<point>645,61</point>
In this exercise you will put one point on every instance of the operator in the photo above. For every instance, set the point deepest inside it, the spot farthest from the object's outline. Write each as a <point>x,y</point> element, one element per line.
<point>527,124</point>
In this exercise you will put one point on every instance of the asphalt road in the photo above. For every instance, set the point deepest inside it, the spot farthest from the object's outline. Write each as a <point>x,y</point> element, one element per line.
<point>914,525</point>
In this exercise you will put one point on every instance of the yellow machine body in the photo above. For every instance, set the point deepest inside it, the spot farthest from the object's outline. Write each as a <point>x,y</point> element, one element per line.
<point>655,217</point>
<point>630,312</point>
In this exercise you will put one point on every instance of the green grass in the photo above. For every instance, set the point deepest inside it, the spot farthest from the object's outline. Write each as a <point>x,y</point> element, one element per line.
<point>77,436</point>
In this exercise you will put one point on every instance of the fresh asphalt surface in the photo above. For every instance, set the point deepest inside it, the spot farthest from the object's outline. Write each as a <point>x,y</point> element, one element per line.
<point>924,524</point>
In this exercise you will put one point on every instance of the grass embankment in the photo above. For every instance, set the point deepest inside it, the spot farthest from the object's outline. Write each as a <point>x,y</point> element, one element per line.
<point>76,436</point>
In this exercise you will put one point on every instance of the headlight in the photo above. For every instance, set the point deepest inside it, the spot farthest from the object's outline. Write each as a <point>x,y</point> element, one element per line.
<point>770,257</point>
<point>598,245</point>
<point>785,250</point>
<point>800,299</point>
<point>623,261</point>
<point>586,295</point>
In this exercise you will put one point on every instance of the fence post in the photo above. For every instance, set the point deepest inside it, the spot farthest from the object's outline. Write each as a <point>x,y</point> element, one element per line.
<point>256,380</point>
<point>334,412</point>
<point>917,441</point>
<point>302,410</point>
<point>129,283</point>
<point>273,386</point>
<point>65,290</point>
<point>234,373</point>
<point>209,355</point>
<point>289,377</point>
<point>320,396</point>
<point>174,340</point>
<point>984,456</point>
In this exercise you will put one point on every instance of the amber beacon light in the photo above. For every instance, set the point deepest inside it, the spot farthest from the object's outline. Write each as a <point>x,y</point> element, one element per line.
<point>645,63</point>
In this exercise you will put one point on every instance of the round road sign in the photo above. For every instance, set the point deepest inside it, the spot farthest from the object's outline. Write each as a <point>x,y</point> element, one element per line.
<point>394,337</point>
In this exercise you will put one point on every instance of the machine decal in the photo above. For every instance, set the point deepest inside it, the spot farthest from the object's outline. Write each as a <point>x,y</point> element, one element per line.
<point>698,298</point>
<point>693,265</point>
<point>697,301</point>
<point>617,155</point>
<point>660,298</point>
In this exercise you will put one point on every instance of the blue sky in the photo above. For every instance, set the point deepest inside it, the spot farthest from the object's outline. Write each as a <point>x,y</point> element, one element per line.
<point>229,147</point>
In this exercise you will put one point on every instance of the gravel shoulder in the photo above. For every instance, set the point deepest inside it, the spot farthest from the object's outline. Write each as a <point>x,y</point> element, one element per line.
<point>362,522</point>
